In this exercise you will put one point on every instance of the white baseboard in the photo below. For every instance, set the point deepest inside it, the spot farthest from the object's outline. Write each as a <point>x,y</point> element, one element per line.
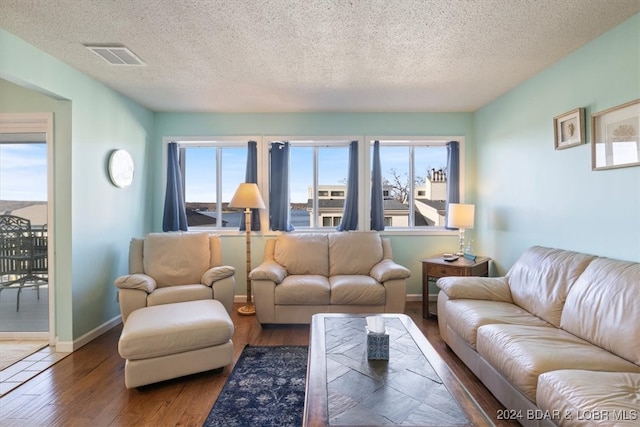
<point>71,346</point>
<point>410,298</point>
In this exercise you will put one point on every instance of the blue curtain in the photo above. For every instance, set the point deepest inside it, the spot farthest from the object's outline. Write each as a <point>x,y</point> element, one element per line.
<point>175,212</point>
<point>377,200</point>
<point>350,212</point>
<point>252,176</point>
<point>279,207</point>
<point>453,174</point>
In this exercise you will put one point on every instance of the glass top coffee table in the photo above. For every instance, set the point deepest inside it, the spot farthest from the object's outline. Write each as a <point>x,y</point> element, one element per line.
<point>415,387</point>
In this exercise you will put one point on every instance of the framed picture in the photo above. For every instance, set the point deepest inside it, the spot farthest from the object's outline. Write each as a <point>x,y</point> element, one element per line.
<point>568,129</point>
<point>615,137</point>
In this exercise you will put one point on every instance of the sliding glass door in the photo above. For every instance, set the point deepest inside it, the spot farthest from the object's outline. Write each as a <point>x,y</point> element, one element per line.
<point>24,235</point>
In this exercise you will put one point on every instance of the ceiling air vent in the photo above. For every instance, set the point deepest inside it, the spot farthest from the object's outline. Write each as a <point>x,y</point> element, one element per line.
<point>116,55</point>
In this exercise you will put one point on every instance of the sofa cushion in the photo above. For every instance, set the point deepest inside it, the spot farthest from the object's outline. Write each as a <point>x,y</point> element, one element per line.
<point>171,294</point>
<point>303,253</point>
<point>465,316</point>
<point>307,289</point>
<point>577,396</point>
<point>603,307</point>
<point>356,290</point>
<point>174,259</point>
<point>541,278</point>
<point>522,353</point>
<point>354,252</point>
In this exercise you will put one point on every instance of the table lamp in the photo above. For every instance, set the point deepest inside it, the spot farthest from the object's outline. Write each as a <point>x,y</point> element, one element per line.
<point>247,196</point>
<point>460,216</point>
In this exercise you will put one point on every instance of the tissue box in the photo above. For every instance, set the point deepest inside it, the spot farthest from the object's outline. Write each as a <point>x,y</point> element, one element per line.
<point>377,346</point>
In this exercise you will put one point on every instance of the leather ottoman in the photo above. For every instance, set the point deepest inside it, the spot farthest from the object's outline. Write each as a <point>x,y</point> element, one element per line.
<point>172,340</point>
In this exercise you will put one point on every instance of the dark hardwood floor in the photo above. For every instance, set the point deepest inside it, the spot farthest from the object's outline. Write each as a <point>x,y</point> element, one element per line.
<point>87,387</point>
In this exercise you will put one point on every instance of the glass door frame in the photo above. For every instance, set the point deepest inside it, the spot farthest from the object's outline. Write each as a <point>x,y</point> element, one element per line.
<point>39,123</point>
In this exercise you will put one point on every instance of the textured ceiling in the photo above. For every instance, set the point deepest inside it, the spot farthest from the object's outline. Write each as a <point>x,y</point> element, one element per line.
<point>315,55</point>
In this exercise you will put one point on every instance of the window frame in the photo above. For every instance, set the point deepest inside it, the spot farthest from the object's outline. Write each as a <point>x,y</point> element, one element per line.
<point>221,142</point>
<point>315,142</point>
<point>415,141</point>
<point>364,172</point>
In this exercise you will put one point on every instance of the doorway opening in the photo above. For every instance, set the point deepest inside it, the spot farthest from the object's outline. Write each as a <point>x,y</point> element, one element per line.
<point>26,293</point>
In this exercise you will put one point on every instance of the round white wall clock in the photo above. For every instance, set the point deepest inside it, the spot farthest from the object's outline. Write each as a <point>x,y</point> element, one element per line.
<point>121,168</point>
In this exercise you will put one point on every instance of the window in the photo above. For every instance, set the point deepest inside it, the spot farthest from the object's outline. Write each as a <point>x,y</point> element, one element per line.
<point>414,180</point>
<point>331,221</point>
<point>414,170</point>
<point>318,182</point>
<point>211,173</point>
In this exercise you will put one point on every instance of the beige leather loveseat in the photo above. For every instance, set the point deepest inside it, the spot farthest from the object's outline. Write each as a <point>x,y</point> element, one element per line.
<point>342,272</point>
<point>557,340</point>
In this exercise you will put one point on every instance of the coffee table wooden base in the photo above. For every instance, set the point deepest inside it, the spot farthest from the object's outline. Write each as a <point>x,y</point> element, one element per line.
<point>415,387</point>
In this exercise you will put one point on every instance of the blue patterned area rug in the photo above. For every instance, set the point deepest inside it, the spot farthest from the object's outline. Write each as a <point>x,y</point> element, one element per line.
<point>266,388</point>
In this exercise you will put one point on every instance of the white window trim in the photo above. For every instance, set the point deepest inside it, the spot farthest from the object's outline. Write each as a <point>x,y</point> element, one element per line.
<point>310,141</point>
<point>417,140</point>
<point>220,141</point>
<point>364,172</point>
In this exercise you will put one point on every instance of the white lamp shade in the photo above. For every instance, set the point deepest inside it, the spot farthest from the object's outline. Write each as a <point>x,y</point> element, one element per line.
<point>247,196</point>
<point>460,215</point>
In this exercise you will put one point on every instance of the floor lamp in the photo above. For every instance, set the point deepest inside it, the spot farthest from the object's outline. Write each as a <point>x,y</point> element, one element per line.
<point>247,196</point>
<point>460,216</point>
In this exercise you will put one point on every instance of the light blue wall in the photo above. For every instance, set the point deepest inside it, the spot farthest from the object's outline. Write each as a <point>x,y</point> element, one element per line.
<point>531,194</point>
<point>408,250</point>
<point>93,219</point>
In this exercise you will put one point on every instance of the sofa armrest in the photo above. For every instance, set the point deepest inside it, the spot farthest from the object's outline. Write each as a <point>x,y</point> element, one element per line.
<point>140,282</point>
<point>388,270</point>
<point>215,274</point>
<point>481,288</point>
<point>269,270</point>
<point>131,300</point>
<point>224,291</point>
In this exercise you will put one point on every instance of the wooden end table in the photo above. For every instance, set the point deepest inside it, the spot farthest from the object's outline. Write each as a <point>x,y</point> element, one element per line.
<point>436,267</point>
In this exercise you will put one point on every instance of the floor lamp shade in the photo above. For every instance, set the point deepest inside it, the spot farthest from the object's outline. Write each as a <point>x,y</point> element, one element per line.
<point>247,196</point>
<point>460,216</point>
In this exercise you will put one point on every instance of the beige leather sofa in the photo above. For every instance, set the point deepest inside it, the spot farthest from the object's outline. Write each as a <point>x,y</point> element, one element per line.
<point>342,272</point>
<point>557,340</point>
<point>175,267</point>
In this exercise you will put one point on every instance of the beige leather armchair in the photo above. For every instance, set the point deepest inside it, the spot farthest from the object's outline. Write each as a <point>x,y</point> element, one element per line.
<point>175,267</point>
